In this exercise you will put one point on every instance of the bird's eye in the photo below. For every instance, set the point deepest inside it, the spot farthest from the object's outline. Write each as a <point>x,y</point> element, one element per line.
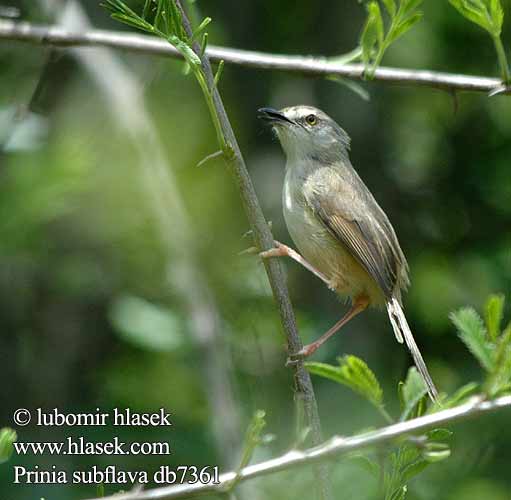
<point>311,119</point>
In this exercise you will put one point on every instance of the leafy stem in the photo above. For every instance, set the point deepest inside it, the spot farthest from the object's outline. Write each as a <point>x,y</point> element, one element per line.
<point>167,24</point>
<point>501,56</point>
<point>489,15</point>
<point>212,111</point>
<point>488,342</point>
<point>375,40</point>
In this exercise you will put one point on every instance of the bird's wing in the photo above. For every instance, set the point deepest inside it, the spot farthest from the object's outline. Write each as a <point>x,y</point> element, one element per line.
<point>350,213</point>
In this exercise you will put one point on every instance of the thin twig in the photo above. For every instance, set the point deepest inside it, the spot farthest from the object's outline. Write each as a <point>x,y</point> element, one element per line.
<point>263,238</point>
<point>335,447</point>
<point>307,65</point>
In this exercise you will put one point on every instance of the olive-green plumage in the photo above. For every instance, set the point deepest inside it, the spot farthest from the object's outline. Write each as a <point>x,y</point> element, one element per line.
<point>336,223</point>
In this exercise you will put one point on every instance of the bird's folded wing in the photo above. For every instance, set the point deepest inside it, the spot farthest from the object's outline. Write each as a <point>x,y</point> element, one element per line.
<point>351,221</point>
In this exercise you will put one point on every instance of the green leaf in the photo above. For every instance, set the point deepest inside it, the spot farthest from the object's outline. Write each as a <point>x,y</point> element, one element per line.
<point>219,71</point>
<point>7,437</point>
<point>204,44</point>
<point>190,56</point>
<point>404,26</point>
<point>474,11</point>
<point>411,392</point>
<point>408,6</point>
<point>347,58</point>
<point>133,22</point>
<point>253,436</point>
<point>176,20</point>
<point>412,469</point>
<point>380,31</point>
<point>147,8</point>
<point>369,34</point>
<point>493,313</point>
<point>406,453</point>
<point>501,375</point>
<point>100,490</point>
<point>366,463</point>
<point>400,494</point>
<point>436,452</point>
<point>390,5</point>
<point>461,395</point>
<point>118,6</point>
<point>186,69</point>
<point>202,26</point>
<point>472,332</point>
<point>351,85</point>
<point>353,373</point>
<point>439,434</point>
<point>403,464</point>
<point>159,17</point>
<point>436,448</point>
<point>497,16</point>
<point>505,390</point>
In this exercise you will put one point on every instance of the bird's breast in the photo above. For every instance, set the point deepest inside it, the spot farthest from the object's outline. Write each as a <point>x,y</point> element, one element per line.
<point>319,247</point>
<point>309,235</point>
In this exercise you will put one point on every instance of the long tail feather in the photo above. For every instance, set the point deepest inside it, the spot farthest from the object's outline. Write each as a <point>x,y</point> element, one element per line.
<point>402,330</point>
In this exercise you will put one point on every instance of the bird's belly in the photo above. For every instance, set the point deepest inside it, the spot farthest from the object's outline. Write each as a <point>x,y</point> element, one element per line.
<point>315,243</point>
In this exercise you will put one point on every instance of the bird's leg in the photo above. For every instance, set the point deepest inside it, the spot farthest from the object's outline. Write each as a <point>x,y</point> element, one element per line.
<point>282,250</point>
<point>360,303</point>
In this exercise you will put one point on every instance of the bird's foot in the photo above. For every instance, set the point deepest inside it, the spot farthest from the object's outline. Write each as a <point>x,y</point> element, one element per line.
<point>280,250</point>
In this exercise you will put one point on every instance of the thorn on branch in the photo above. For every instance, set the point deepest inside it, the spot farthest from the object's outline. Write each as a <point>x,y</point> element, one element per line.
<point>499,90</point>
<point>249,251</point>
<point>210,157</point>
<point>250,232</point>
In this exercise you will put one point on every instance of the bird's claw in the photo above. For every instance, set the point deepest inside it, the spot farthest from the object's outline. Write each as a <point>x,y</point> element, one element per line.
<point>299,356</point>
<point>278,250</point>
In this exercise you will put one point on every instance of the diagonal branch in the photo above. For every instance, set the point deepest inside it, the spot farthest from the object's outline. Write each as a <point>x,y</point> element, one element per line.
<point>263,237</point>
<point>306,65</point>
<point>335,447</point>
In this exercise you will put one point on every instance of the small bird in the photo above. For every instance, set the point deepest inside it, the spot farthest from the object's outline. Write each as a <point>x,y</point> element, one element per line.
<point>342,234</point>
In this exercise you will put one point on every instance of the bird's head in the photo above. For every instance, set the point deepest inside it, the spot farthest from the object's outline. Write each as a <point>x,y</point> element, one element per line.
<point>307,132</point>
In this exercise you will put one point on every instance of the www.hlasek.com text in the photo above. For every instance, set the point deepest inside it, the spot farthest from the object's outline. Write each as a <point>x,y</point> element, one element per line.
<point>80,446</point>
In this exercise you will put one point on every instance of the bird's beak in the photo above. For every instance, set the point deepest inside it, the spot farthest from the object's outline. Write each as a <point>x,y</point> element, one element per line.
<point>272,115</point>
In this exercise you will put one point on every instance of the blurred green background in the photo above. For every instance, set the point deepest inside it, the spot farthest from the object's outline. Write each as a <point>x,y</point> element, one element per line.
<point>120,280</point>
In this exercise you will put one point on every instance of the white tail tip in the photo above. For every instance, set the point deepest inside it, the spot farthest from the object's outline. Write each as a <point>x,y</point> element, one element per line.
<point>402,331</point>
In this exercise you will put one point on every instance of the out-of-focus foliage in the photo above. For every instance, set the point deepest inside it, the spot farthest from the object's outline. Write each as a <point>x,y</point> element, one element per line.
<point>79,241</point>
<point>7,438</point>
